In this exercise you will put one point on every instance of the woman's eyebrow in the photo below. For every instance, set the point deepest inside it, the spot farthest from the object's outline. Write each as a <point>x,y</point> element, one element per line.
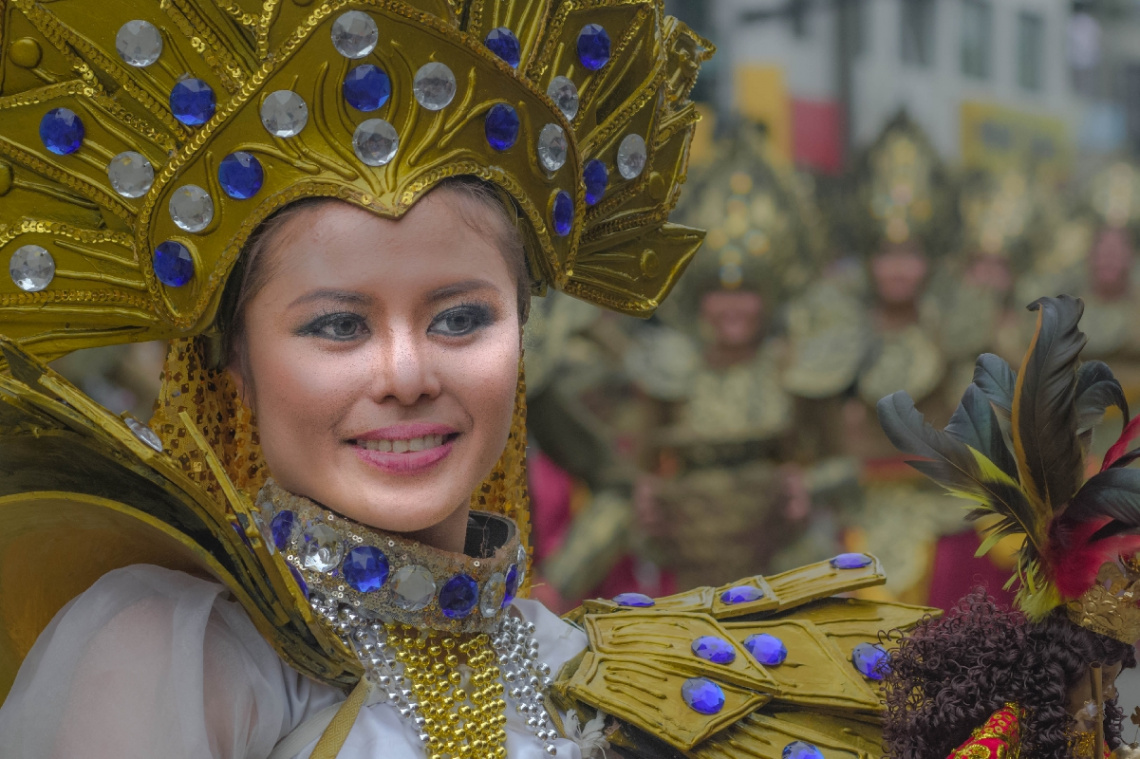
<point>340,296</point>
<point>459,288</point>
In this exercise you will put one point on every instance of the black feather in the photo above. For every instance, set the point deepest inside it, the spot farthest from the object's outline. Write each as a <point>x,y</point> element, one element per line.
<point>996,380</point>
<point>1097,389</point>
<point>976,424</point>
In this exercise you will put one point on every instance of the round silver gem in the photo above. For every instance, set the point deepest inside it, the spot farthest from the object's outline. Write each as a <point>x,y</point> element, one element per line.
<point>139,43</point>
<point>32,268</point>
<point>491,599</point>
<point>375,142</point>
<point>434,86</point>
<point>191,208</point>
<point>552,147</point>
<point>565,95</point>
<point>413,587</point>
<point>131,174</point>
<point>321,547</point>
<point>631,156</point>
<point>284,113</point>
<point>144,433</point>
<point>354,34</point>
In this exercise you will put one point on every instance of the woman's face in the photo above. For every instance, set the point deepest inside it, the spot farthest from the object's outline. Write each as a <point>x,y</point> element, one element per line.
<point>899,274</point>
<point>381,359</point>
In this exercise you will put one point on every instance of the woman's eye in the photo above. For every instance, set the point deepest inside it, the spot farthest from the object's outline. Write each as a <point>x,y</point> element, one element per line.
<point>337,327</point>
<point>461,321</point>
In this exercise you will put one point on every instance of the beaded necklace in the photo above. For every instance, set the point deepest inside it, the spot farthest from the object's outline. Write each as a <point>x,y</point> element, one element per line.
<point>432,629</point>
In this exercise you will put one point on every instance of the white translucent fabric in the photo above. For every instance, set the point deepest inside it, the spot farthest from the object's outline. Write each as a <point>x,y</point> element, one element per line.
<point>155,663</point>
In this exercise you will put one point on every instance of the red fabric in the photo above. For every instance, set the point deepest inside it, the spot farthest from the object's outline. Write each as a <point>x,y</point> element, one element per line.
<point>817,135</point>
<point>957,572</point>
<point>999,738</point>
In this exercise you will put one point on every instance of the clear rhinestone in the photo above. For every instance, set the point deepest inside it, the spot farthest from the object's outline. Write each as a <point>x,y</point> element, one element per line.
<point>522,562</point>
<point>413,587</point>
<point>139,43</point>
<point>552,147</point>
<point>191,208</point>
<point>565,95</point>
<point>434,86</point>
<point>375,142</point>
<point>631,156</point>
<point>284,113</point>
<point>491,600</point>
<point>131,174</point>
<point>354,34</point>
<point>144,433</point>
<point>32,268</point>
<point>321,549</point>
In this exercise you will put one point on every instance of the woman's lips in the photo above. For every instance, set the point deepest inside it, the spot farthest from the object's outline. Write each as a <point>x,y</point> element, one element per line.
<point>408,456</point>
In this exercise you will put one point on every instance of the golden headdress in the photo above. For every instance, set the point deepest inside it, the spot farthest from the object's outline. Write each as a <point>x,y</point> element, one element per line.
<point>1114,194</point>
<point>1081,535</point>
<point>996,211</point>
<point>141,143</point>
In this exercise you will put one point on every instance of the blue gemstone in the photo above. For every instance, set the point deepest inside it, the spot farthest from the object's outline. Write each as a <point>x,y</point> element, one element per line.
<point>282,528</point>
<point>593,47</point>
<point>851,561</point>
<point>241,534</point>
<point>501,126</point>
<point>365,569</point>
<point>714,649</point>
<point>503,43</point>
<point>563,213</point>
<point>512,586</point>
<point>766,649</point>
<point>637,600</point>
<point>872,660</point>
<point>596,178</point>
<point>192,102</point>
<point>300,580</point>
<point>703,695</point>
<point>172,263</point>
<point>458,596</point>
<point>61,130</point>
<point>240,175</point>
<point>741,594</point>
<point>367,87</point>
<point>802,750</point>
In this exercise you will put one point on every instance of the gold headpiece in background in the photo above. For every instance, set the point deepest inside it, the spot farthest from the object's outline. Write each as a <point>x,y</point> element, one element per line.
<point>996,211</point>
<point>1115,195</point>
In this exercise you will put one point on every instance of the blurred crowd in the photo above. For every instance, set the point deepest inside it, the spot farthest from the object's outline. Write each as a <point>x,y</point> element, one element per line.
<point>735,432</point>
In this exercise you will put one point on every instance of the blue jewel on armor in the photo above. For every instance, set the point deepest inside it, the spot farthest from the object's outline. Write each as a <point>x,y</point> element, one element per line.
<point>365,569</point>
<point>501,125</point>
<point>851,561</point>
<point>741,594</point>
<point>192,102</point>
<point>703,695</point>
<point>562,214</point>
<point>458,596</point>
<point>240,175</point>
<point>872,660</point>
<point>593,47</point>
<point>802,750</point>
<point>511,586</point>
<point>503,43</point>
<point>282,528</point>
<point>173,264</point>
<point>636,600</point>
<point>596,178</point>
<point>766,649</point>
<point>241,534</point>
<point>367,87</point>
<point>61,131</point>
<point>714,649</point>
<point>300,580</point>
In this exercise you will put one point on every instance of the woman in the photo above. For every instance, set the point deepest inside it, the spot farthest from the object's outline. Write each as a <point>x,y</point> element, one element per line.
<point>336,212</point>
<point>1038,680</point>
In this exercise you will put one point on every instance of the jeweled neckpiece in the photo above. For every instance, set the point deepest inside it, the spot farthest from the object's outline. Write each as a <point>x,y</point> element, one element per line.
<point>432,629</point>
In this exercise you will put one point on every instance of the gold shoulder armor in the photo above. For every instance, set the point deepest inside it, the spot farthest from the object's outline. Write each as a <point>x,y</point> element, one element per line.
<point>747,669</point>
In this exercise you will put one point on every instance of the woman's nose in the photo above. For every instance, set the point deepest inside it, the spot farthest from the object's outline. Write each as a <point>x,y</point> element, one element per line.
<point>405,368</point>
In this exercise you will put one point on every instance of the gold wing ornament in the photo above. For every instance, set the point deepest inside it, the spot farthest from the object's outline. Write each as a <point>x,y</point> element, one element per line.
<point>143,141</point>
<point>768,667</point>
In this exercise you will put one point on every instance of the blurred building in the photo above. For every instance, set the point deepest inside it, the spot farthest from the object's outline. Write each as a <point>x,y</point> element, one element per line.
<point>991,81</point>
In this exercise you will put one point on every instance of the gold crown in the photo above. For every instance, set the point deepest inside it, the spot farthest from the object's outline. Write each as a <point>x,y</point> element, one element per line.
<point>142,144</point>
<point>1111,607</point>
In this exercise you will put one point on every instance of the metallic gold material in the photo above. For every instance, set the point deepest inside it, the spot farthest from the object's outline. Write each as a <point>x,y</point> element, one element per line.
<point>639,658</point>
<point>1110,606</point>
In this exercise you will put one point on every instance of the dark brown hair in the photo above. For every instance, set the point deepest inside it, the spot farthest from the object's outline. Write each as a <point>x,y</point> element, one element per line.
<point>479,204</point>
<point>949,675</point>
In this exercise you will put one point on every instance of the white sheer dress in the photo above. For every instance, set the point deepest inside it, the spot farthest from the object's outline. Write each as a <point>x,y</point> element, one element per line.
<point>151,663</point>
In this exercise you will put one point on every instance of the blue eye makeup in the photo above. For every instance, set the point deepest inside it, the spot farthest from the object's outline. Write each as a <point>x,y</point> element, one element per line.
<point>462,320</point>
<point>341,326</point>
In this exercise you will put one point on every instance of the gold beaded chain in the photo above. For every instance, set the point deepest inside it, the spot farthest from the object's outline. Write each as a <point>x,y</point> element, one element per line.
<point>455,679</point>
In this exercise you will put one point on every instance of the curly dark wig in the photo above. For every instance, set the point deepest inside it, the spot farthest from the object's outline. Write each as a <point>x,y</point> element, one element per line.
<point>949,675</point>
